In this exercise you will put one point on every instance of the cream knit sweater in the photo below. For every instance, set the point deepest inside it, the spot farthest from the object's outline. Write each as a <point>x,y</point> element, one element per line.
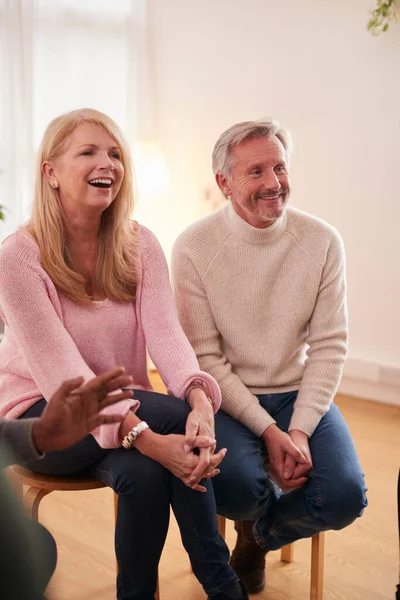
<point>265,310</point>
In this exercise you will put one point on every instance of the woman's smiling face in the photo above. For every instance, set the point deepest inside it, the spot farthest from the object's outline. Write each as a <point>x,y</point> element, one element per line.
<point>89,173</point>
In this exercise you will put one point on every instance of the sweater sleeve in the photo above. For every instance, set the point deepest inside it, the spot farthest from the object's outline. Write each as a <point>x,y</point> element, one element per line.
<point>168,346</point>
<point>16,442</point>
<point>327,341</point>
<point>198,323</point>
<point>33,313</point>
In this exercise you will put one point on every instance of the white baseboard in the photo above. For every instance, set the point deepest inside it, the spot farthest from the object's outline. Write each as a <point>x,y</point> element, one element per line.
<point>370,391</point>
<point>371,380</point>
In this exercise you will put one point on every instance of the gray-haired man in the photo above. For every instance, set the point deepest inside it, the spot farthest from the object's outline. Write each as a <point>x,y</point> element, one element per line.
<point>260,289</point>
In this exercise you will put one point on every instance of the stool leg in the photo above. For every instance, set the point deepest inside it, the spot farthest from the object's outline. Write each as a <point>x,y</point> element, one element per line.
<point>317,566</point>
<point>157,594</point>
<point>115,520</point>
<point>18,487</point>
<point>32,500</point>
<point>221,526</point>
<point>287,553</point>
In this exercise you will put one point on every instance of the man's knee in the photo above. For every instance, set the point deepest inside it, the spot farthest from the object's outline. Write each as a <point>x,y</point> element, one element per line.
<point>345,504</point>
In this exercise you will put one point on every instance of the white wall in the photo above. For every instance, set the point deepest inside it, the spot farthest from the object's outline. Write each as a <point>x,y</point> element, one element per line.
<point>314,67</point>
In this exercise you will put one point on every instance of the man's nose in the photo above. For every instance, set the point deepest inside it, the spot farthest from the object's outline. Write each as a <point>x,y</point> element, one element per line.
<point>271,181</point>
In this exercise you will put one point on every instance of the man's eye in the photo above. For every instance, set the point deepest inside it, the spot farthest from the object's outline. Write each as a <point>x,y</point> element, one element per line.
<point>256,172</point>
<point>280,169</point>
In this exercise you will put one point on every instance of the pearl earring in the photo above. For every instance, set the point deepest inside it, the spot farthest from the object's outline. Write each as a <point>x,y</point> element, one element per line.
<point>55,185</point>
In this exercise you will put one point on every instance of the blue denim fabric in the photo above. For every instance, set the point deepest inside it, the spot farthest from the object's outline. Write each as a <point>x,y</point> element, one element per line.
<point>146,490</point>
<point>332,498</point>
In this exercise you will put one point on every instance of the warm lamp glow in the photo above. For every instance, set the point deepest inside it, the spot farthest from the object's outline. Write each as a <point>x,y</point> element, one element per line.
<point>151,168</point>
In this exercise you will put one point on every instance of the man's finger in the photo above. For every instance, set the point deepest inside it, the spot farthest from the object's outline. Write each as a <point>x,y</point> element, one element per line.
<point>69,386</point>
<point>114,398</point>
<point>104,378</point>
<point>296,454</point>
<point>123,381</point>
<point>289,466</point>
<point>291,484</point>
<point>107,419</point>
<point>302,470</point>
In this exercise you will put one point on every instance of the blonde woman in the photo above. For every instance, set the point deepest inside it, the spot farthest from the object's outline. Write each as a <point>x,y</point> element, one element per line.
<point>82,290</point>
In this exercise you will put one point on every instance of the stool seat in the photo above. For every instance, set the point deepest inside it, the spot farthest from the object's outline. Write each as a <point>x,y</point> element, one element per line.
<point>40,485</point>
<point>52,483</point>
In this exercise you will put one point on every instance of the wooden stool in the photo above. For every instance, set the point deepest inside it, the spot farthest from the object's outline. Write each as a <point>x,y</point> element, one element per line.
<point>287,553</point>
<point>40,485</point>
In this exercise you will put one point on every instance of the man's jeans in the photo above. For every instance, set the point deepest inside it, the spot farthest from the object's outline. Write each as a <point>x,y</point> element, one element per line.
<point>332,498</point>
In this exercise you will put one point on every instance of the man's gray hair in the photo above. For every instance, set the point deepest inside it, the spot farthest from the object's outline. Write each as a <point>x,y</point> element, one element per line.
<point>222,160</point>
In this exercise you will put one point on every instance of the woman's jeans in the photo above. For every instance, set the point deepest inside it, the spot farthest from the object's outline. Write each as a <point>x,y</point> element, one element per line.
<point>332,498</point>
<point>145,492</point>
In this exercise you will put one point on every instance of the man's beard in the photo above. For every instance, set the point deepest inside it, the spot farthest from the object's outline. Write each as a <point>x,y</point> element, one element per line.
<point>269,212</point>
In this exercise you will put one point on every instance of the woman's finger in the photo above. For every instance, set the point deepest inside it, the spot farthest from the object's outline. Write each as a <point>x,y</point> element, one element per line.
<point>217,458</point>
<point>211,473</point>
<point>202,465</point>
<point>203,441</point>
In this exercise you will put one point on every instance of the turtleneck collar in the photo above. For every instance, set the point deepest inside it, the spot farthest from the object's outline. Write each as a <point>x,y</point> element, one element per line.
<point>250,234</point>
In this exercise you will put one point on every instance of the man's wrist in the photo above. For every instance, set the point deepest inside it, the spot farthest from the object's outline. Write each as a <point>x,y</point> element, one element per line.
<point>268,433</point>
<point>40,437</point>
<point>298,433</point>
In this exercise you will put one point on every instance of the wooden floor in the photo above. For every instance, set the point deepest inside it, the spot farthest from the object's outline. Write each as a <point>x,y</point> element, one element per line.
<point>361,562</point>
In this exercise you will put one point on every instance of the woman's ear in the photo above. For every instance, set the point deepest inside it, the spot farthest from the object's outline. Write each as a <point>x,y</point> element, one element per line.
<point>48,172</point>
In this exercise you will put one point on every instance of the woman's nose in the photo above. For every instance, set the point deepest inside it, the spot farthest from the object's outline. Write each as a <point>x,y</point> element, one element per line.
<point>106,162</point>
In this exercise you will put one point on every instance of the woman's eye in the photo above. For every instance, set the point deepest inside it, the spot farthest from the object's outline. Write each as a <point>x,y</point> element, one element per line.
<point>116,155</point>
<point>87,153</point>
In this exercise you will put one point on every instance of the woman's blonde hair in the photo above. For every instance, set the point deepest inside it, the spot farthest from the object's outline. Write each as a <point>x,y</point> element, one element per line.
<point>118,264</point>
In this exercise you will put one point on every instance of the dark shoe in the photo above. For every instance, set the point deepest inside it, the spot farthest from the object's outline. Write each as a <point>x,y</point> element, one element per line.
<point>248,559</point>
<point>236,592</point>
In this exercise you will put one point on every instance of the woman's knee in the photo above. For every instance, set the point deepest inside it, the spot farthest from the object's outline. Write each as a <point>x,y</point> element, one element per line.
<point>134,473</point>
<point>242,495</point>
<point>164,414</point>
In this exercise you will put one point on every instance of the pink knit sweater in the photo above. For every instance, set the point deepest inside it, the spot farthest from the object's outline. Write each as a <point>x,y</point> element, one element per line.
<point>50,338</point>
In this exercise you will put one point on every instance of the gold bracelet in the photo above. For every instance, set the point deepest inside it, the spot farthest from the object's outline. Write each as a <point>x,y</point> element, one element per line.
<point>134,434</point>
